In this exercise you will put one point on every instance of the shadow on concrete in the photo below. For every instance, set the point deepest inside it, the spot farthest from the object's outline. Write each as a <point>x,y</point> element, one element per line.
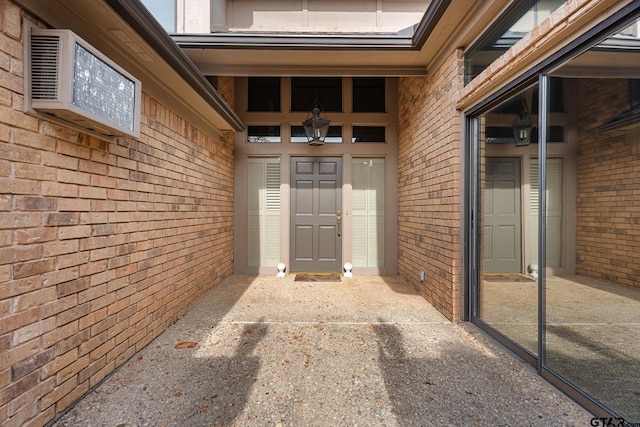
<point>431,381</point>
<point>208,312</point>
<point>414,384</point>
<point>399,285</point>
<point>601,360</point>
<point>222,385</point>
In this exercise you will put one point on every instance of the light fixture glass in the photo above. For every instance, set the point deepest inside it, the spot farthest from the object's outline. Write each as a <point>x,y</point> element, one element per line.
<point>522,130</point>
<point>523,127</point>
<point>316,127</point>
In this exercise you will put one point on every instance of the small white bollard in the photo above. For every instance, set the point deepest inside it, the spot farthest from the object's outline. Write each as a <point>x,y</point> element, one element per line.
<point>347,269</point>
<point>281,267</point>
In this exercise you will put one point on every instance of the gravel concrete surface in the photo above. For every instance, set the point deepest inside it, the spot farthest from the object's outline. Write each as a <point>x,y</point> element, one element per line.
<point>367,351</point>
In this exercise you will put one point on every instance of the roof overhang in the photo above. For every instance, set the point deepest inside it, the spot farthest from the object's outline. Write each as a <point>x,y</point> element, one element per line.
<point>129,35</point>
<point>446,25</point>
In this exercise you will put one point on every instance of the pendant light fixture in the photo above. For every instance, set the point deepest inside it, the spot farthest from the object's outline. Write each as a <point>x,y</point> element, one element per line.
<point>523,127</point>
<point>316,127</point>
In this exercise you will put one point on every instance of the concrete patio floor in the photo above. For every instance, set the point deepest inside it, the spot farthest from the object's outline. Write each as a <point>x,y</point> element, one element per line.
<point>367,351</point>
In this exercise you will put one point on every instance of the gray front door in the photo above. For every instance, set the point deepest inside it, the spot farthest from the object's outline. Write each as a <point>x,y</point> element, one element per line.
<point>501,223</point>
<point>316,214</point>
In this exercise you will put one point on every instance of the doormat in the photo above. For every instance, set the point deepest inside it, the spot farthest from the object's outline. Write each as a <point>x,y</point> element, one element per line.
<point>318,277</point>
<point>507,277</point>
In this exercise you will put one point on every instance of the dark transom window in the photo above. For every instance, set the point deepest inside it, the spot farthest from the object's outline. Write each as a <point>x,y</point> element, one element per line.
<point>368,95</point>
<point>264,94</point>
<point>334,135</point>
<point>368,134</point>
<point>326,90</point>
<point>263,134</point>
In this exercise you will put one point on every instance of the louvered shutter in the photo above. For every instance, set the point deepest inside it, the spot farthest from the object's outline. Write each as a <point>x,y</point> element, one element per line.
<point>554,210</point>
<point>263,221</point>
<point>367,205</point>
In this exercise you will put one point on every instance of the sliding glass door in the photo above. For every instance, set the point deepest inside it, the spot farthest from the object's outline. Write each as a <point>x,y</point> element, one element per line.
<point>506,293</point>
<point>554,222</point>
<point>592,315</point>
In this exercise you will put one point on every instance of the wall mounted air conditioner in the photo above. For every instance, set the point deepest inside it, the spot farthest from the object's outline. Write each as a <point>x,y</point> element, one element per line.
<point>71,81</point>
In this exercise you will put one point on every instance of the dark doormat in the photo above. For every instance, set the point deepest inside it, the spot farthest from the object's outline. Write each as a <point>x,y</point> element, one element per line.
<point>318,277</point>
<point>506,277</point>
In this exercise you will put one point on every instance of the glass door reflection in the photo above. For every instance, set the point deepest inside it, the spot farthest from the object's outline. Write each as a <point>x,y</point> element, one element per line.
<point>592,301</point>
<point>507,297</point>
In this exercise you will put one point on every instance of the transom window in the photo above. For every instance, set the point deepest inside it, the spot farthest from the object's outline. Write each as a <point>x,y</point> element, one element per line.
<point>368,95</point>
<point>334,135</point>
<point>369,134</point>
<point>263,134</point>
<point>264,94</point>
<point>356,106</point>
<point>327,91</point>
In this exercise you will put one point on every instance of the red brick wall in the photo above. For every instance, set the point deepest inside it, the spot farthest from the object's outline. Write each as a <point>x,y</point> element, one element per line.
<point>608,188</point>
<point>429,185</point>
<point>102,244</point>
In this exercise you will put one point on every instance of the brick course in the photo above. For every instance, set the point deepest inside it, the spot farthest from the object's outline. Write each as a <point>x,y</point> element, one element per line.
<point>102,244</point>
<point>429,188</point>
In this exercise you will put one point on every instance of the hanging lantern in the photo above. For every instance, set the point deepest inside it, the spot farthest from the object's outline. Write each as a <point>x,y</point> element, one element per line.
<point>523,127</point>
<point>316,127</point>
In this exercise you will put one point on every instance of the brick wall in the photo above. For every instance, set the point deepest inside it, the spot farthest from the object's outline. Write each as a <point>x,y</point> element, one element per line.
<point>608,188</point>
<point>102,244</point>
<point>429,184</point>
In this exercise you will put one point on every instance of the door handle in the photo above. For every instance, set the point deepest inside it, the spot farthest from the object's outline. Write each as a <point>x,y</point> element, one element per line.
<point>339,222</point>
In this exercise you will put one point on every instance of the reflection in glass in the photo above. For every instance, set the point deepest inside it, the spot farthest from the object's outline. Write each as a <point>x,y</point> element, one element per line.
<point>263,134</point>
<point>369,134</point>
<point>334,135</point>
<point>592,327</point>
<point>515,23</point>
<point>508,296</point>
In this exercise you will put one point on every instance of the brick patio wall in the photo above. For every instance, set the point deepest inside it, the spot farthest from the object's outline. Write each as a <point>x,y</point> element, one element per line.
<point>102,244</point>
<point>429,184</point>
<point>608,187</point>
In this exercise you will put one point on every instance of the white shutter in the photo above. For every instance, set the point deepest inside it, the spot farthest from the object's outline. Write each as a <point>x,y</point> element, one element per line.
<point>359,171</point>
<point>271,254</point>
<point>534,208</point>
<point>263,216</point>
<point>553,213</point>
<point>367,206</point>
<point>254,215</point>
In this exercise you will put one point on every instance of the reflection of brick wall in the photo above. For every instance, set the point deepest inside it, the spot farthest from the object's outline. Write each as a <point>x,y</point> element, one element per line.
<point>102,244</point>
<point>429,184</point>
<point>608,186</point>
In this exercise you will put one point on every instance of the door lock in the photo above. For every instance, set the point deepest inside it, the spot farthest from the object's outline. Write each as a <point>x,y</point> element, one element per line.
<point>339,222</point>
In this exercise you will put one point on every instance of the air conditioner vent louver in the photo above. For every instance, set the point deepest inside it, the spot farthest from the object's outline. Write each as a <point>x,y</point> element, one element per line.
<point>44,67</point>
